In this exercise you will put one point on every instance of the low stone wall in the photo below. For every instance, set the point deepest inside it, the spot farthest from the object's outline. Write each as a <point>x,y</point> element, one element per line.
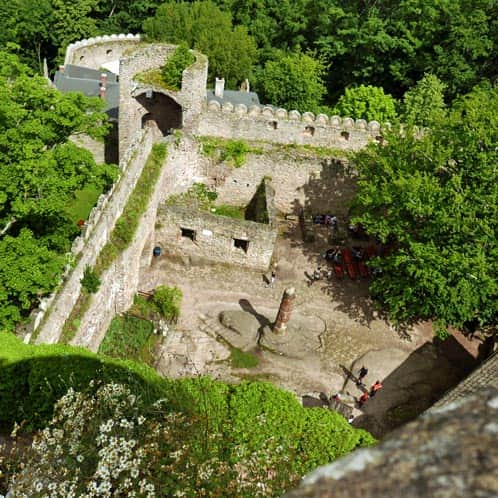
<point>215,238</point>
<point>94,236</point>
<point>280,126</point>
<point>119,283</point>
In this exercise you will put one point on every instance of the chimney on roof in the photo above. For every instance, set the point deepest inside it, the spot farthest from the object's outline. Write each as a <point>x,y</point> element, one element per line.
<point>103,85</point>
<point>219,87</point>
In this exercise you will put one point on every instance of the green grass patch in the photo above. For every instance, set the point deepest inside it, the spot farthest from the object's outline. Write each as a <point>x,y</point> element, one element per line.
<point>233,152</point>
<point>130,337</point>
<point>154,78</point>
<point>237,212</point>
<point>243,359</point>
<point>127,224</point>
<point>73,321</point>
<point>84,200</point>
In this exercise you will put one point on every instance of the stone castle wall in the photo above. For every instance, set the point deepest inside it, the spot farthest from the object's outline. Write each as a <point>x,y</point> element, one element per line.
<point>94,236</point>
<point>191,97</point>
<point>119,283</point>
<point>301,179</point>
<point>280,126</point>
<point>94,52</point>
<point>215,235</point>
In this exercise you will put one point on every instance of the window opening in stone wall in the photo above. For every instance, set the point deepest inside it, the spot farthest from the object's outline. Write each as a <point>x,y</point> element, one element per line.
<point>82,57</point>
<point>108,52</point>
<point>272,125</point>
<point>241,244</point>
<point>345,135</point>
<point>309,130</point>
<point>188,233</point>
<point>379,139</point>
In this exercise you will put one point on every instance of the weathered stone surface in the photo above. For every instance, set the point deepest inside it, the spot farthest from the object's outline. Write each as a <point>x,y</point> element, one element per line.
<point>447,453</point>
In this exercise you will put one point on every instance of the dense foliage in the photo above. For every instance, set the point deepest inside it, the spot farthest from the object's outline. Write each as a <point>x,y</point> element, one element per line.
<point>434,197</point>
<point>204,437</point>
<point>172,71</point>
<point>40,174</point>
<point>293,81</point>
<point>366,102</point>
<point>384,44</point>
<point>203,26</point>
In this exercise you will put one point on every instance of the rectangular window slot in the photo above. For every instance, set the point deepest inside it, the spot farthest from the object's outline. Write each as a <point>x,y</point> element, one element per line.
<point>241,244</point>
<point>188,233</point>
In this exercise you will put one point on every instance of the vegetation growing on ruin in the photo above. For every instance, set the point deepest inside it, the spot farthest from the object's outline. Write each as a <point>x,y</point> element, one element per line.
<point>130,337</point>
<point>203,437</point>
<point>199,196</point>
<point>233,152</point>
<point>137,203</point>
<point>172,71</point>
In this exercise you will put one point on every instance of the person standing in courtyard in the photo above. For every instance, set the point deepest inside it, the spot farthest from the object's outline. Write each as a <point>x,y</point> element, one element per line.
<point>375,388</point>
<point>363,398</point>
<point>271,282</point>
<point>361,375</point>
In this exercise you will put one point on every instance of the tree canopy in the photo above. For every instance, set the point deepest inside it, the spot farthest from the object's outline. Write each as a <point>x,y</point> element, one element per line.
<point>367,102</point>
<point>293,81</point>
<point>203,26</point>
<point>40,171</point>
<point>434,197</point>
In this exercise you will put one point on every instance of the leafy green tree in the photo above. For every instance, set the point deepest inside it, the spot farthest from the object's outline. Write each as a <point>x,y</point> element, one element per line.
<point>28,270</point>
<point>73,21</point>
<point>203,26</point>
<point>293,81</point>
<point>434,198</point>
<point>423,104</point>
<point>40,171</point>
<point>367,102</point>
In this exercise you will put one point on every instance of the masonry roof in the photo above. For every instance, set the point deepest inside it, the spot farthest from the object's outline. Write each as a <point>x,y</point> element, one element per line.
<point>235,97</point>
<point>87,81</point>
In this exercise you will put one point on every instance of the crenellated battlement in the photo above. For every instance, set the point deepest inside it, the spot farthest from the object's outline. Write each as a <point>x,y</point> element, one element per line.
<point>93,52</point>
<point>281,126</point>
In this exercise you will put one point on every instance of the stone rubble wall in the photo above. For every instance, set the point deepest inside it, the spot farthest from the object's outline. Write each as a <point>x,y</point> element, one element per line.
<point>94,236</point>
<point>94,52</point>
<point>191,97</point>
<point>301,179</point>
<point>214,235</point>
<point>119,283</point>
<point>286,127</point>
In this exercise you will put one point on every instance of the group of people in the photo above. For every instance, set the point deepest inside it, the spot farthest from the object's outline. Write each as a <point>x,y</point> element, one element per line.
<point>376,386</point>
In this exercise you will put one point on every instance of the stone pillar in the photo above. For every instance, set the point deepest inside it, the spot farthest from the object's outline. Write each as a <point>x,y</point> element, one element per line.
<point>284,312</point>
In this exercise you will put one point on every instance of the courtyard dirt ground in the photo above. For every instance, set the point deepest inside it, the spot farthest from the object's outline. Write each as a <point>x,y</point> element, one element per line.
<point>334,330</point>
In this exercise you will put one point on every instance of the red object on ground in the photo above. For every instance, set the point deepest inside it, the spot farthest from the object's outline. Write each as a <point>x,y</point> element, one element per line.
<point>338,270</point>
<point>363,268</point>
<point>370,252</point>
<point>351,264</point>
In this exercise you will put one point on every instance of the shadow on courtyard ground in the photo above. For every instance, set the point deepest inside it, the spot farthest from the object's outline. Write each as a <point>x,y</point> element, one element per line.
<point>414,386</point>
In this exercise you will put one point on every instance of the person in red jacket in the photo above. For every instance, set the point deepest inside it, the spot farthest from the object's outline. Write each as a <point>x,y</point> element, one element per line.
<point>375,387</point>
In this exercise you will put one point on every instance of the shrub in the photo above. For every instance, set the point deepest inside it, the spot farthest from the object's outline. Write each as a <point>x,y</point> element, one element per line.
<point>90,280</point>
<point>167,301</point>
<point>172,71</point>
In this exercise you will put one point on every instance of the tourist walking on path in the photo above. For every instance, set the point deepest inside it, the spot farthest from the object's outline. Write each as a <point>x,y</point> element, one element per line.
<point>271,282</point>
<point>375,387</point>
<point>363,398</point>
<point>361,375</point>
